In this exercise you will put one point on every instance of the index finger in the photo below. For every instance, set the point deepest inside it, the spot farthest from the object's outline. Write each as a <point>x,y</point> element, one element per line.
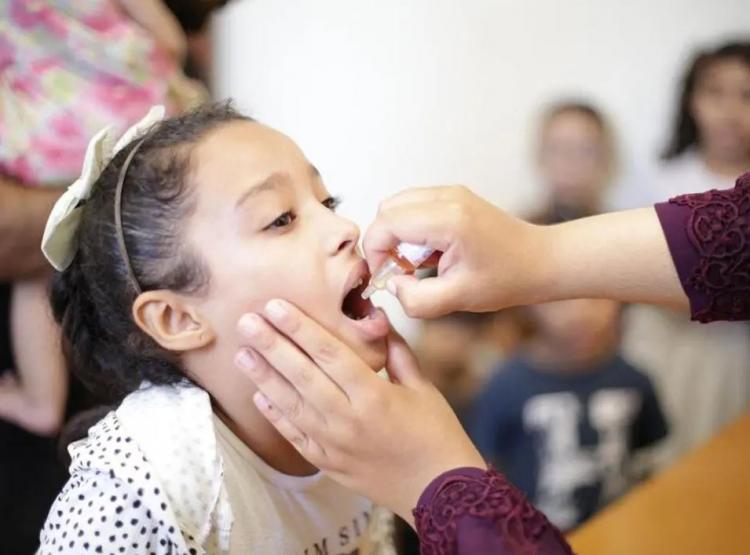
<point>344,367</point>
<point>418,194</point>
<point>283,372</point>
<point>421,223</point>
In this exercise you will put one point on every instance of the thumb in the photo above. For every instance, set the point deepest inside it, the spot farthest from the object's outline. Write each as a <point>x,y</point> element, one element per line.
<point>401,365</point>
<point>424,298</point>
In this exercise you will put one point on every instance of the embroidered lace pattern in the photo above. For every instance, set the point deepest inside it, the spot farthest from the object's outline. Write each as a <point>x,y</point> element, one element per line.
<point>488,497</point>
<point>719,229</point>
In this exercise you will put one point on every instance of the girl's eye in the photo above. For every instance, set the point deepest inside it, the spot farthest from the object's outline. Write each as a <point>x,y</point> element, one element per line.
<point>282,221</point>
<point>332,203</point>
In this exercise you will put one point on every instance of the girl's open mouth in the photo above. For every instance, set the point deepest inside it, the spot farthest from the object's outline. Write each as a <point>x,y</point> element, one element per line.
<point>354,306</point>
<point>369,320</point>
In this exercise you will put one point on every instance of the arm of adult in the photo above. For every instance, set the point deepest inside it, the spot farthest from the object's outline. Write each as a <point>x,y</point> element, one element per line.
<point>34,397</point>
<point>23,214</point>
<point>155,17</point>
<point>491,260</point>
<point>396,442</point>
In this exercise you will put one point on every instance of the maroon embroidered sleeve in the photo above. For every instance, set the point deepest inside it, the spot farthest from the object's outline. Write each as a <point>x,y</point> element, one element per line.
<point>467,511</point>
<point>709,239</point>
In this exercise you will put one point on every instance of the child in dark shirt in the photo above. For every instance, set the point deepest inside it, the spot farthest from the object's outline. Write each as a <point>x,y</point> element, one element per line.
<point>564,418</point>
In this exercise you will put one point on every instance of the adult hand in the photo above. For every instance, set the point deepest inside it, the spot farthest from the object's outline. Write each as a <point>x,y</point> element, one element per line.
<point>161,23</point>
<point>385,440</point>
<point>491,260</point>
<point>488,261</point>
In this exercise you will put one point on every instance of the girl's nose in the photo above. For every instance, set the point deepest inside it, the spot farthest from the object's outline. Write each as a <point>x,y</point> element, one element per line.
<point>344,236</point>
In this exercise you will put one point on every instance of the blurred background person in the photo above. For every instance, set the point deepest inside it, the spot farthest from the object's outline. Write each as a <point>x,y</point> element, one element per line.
<point>702,373</point>
<point>194,16</point>
<point>564,419</point>
<point>59,86</point>
<point>575,160</point>
<point>709,140</point>
<point>458,351</point>
<point>67,69</point>
<point>70,68</point>
<point>448,349</point>
<point>566,416</point>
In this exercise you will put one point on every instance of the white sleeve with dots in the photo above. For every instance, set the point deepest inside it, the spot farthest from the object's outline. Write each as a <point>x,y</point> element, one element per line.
<point>98,513</point>
<point>113,502</point>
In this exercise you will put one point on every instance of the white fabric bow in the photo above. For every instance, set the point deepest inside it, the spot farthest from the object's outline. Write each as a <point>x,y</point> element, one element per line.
<point>59,241</point>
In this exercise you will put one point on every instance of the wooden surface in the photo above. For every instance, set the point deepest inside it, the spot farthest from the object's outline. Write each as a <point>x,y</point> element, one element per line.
<point>701,505</point>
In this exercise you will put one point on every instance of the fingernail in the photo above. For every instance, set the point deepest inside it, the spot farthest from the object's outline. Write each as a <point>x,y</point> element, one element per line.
<point>246,360</point>
<point>391,286</point>
<point>276,309</point>
<point>249,324</point>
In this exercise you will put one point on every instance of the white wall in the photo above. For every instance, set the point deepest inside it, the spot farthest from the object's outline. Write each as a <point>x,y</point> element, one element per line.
<point>389,94</point>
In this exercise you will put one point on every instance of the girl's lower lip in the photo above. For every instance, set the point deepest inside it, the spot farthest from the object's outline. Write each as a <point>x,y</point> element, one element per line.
<point>373,327</point>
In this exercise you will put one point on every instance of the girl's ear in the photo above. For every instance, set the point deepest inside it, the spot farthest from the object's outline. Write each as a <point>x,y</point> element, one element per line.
<point>172,321</point>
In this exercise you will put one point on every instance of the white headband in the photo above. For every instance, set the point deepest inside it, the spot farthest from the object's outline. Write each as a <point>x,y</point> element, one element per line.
<point>59,242</point>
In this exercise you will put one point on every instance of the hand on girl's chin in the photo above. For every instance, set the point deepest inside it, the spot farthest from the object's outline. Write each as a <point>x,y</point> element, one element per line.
<point>366,337</point>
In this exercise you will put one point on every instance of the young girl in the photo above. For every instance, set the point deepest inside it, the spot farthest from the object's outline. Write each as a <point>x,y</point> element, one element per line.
<point>66,69</point>
<point>194,221</point>
<point>710,142</point>
<point>703,372</point>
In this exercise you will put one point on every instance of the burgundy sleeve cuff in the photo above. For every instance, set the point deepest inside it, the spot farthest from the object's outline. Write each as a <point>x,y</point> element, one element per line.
<point>469,510</point>
<point>709,239</point>
<point>446,477</point>
<point>674,221</point>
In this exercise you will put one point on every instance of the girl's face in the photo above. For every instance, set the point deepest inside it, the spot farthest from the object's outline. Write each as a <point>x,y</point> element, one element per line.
<point>721,107</point>
<point>573,159</point>
<point>265,226</point>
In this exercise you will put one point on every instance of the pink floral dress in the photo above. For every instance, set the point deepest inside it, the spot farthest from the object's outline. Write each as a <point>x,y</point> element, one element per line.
<point>67,69</point>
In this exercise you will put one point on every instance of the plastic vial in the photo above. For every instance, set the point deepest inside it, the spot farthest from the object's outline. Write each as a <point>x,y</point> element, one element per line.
<point>405,258</point>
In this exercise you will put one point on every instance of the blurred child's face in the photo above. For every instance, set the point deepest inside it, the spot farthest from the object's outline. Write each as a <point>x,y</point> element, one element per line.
<point>579,328</point>
<point>266,228</point>
<point>721,108</point>
<point>573,159</point>
<point>444,350</point>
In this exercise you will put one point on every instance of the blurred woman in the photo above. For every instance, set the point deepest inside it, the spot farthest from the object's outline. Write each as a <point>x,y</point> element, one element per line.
<point>710,143</point>
<point>703,373</point>
<point>67,68</point>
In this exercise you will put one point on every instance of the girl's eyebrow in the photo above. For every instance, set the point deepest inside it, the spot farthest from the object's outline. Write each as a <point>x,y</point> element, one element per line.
<point>274,181</point>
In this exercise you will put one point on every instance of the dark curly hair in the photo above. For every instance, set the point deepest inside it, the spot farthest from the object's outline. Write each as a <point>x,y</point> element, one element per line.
<point>92,299</point>
<point>685,133</point>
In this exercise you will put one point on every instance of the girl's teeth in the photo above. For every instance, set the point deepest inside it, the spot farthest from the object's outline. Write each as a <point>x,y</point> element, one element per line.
<point>359,282</point>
